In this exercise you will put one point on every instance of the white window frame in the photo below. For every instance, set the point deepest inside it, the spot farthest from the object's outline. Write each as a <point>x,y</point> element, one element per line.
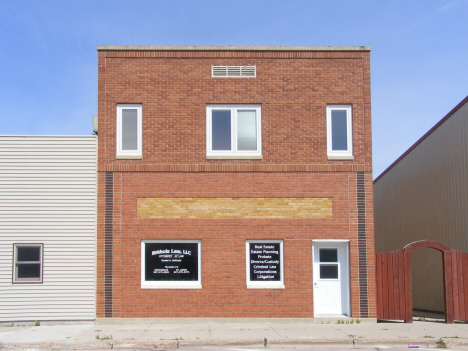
<point>170,284</point>
<point>17,280</point>
<point>129,154</point>
<point>264,284</point>
<point>340,154</point>
<point>233,153</point>
<point>337,263</point>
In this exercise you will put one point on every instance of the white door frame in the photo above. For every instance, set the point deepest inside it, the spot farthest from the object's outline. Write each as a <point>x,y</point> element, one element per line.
<point>342,245</point>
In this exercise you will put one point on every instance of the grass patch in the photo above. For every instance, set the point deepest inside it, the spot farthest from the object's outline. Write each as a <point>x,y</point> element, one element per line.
<point>441,344</point>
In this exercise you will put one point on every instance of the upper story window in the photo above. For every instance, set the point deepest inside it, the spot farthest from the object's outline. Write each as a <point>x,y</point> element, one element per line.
<point>234,131</point>
<point>339,132</point>
<point>27,265</point>
<point>129,131</point>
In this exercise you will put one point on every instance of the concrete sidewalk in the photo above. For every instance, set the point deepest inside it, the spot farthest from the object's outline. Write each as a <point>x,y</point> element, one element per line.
<point>179,333</point>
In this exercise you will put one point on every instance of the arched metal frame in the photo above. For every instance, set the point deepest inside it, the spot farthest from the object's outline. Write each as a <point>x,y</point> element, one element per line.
<point>447,273</point>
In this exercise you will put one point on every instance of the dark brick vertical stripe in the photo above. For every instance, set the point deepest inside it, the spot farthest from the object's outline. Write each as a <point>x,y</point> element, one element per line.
<point>108,242</point>
<point>362,245</point>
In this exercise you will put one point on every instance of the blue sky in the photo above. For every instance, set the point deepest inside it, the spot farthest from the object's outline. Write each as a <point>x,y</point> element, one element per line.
<point>48,57</point>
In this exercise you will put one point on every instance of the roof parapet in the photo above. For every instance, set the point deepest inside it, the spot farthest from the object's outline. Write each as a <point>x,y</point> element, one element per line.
<point>230,48</point>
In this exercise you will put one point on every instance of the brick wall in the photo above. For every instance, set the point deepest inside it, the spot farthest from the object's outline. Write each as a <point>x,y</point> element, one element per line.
<point>174,88</point>
<point>235,207</point>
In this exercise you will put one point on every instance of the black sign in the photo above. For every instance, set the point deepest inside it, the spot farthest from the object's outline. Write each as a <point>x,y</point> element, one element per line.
<point>171,261</point>
<point>265,262</point>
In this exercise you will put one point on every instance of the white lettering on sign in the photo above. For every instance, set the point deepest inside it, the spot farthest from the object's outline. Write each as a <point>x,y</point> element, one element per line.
<point>260,272</point>
<point>161,271</point>
<point>265,262</point>
<point>158,252</point>
<point>182,271</point>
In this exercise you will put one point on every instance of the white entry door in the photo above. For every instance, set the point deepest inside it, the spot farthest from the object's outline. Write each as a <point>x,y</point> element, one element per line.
<point>331,278</point>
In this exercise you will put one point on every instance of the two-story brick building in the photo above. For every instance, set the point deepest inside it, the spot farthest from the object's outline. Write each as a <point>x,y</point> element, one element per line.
<point>235,182</point>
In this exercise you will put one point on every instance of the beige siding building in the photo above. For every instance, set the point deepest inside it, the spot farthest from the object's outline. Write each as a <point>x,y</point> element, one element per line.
<point>424,195</point>
<point>47,228</point>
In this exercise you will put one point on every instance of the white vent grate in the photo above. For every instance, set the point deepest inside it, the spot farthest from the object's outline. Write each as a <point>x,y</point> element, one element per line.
<point>234,71</point>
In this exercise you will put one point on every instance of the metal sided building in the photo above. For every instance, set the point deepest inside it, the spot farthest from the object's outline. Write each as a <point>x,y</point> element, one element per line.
<point>424,195</point>
<point>47,228</point>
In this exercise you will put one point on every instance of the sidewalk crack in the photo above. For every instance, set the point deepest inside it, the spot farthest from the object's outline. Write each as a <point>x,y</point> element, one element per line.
<point>275,331</point>
<point>143,333</point>
<point>340,330</point>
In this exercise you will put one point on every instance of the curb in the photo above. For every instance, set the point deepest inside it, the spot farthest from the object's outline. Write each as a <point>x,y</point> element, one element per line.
<point>257,343</point>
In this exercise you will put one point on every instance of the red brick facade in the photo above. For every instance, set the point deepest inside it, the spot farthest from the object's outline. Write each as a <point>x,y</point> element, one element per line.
<point>174,86</point>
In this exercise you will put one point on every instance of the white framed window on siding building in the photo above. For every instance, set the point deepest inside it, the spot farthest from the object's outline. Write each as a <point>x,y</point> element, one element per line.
<point>234,131</point>
<point>339,132</point>
<point>171,264</point>
<point>129,131</point>
<point>27,263</point>
<point>265,268</point>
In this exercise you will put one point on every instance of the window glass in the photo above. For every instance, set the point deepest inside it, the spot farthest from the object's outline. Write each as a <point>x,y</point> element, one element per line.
<point>328,271</point>
<point>28,270</point>
<point>129,129</point>
<point>27,266</point>
<point>246,130</point>
<point>221,130</point>
<point>339,130</point>
<point>328,255</point>
<point>265,264</point>
<point>171,264</point>
<point>233,131</point>
<point>29,253</point>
